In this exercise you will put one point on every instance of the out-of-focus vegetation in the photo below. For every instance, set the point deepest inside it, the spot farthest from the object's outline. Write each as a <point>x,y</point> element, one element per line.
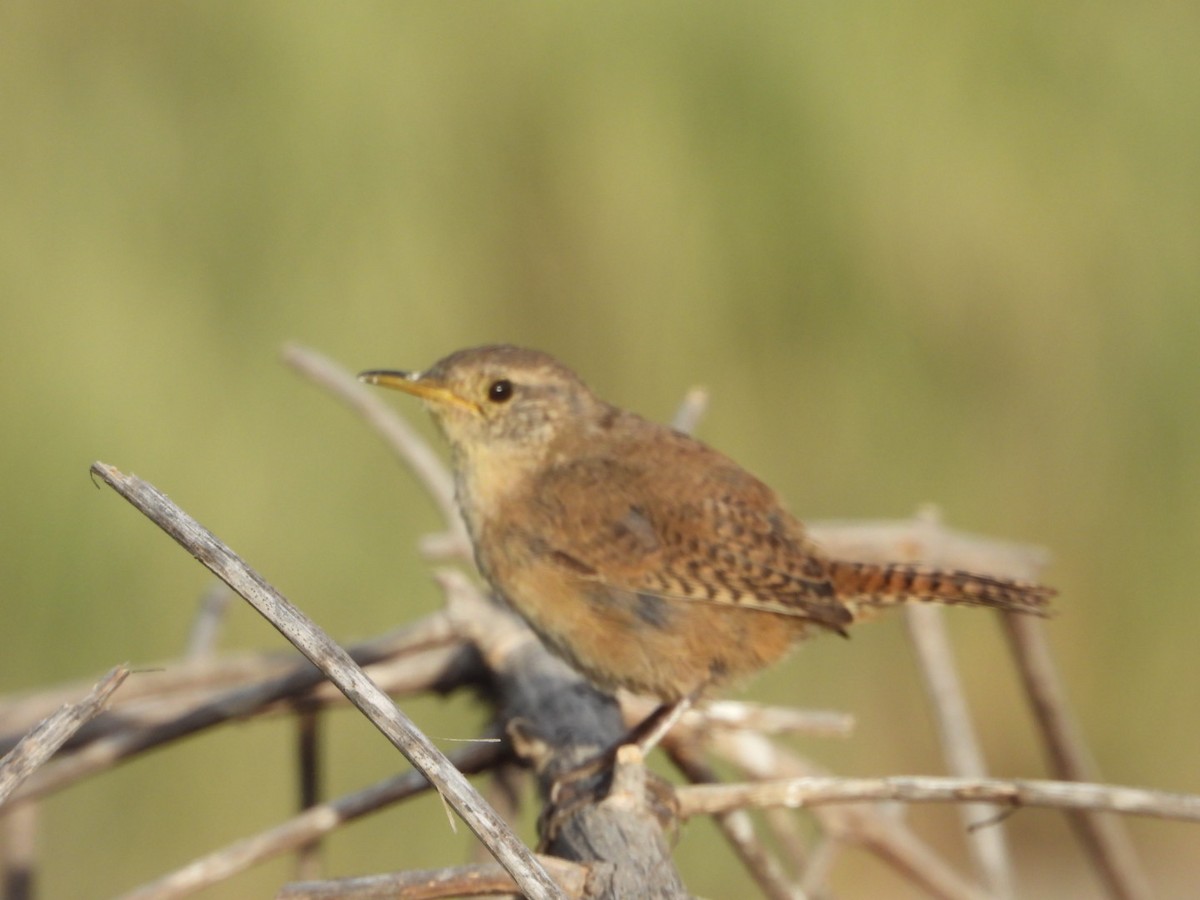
<point>922,254</point>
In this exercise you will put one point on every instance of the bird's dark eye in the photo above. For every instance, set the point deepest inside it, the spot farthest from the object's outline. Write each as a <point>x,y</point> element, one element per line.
<point>500,390</point>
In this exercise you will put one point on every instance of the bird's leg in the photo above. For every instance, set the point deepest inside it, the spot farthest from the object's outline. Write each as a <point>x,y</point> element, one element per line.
<point>646,735</point>
<point>569,793</point>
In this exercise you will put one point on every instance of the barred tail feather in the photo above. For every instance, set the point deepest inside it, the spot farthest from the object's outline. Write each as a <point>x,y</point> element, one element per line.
<point>864,587</point>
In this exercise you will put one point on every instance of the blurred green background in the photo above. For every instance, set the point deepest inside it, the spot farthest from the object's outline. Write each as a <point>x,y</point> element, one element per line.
<point>934,254</point>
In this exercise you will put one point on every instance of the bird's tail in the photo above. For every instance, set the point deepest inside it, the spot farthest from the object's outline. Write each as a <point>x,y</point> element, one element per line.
<point>864,588</point>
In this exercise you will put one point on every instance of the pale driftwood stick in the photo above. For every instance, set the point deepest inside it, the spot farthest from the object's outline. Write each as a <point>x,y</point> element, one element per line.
<point>1104,838</point>
<point>506,785</point>
<point>735,825</point>
<point>960,746</point>
<point>400,436</point>
<point>342,671</point>
<point>487,880</point>
<point>1017,792</point>
<point>210,616</point>
<point>865,826</point>
<point>309,825</point>
<point>40,744</point>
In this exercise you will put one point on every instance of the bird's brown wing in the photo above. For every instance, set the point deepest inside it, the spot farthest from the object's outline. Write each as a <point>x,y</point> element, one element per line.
<point>726,541</point>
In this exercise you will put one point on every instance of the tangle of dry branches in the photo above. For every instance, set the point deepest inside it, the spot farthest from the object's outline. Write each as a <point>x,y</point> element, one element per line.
<point>612,841</point>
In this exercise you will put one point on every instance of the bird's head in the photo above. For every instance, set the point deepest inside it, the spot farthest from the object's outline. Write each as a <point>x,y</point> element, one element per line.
<point>497,401</point>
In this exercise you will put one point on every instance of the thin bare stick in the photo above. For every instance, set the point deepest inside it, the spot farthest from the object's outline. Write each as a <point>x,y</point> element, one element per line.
<point>434,884</point>
<point>1104,838</point>
<point>507,784</point>
<point>737,828</point>
<point>400,436</point>
<point>324,653</point>
<point>40,744</point>
<point>308,826</point>
<point>807,792</point>
<point>960,746</point>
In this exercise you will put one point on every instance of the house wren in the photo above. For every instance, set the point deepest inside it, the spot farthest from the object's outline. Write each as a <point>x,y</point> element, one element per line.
<point>644,557</point>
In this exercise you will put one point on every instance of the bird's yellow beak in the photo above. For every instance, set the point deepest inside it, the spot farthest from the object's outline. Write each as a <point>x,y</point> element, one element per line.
<point>429,389</point>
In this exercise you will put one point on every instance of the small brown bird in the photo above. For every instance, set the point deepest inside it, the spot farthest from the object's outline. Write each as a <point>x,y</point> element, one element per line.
<point>644,557</point>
